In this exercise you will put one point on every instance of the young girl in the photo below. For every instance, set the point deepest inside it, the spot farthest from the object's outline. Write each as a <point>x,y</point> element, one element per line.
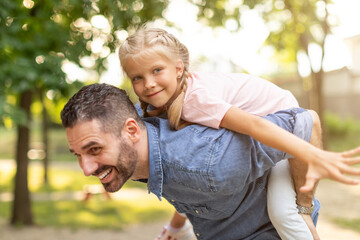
<point>158,66</point>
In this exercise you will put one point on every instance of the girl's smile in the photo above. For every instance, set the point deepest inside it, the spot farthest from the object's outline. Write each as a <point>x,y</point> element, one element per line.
<point>154,94</point>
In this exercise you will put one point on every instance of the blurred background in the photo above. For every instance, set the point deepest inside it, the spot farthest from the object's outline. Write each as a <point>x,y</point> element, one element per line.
<point>49,49</point>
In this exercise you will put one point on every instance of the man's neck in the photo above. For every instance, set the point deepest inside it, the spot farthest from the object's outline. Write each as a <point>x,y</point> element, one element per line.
<point>142,148</point>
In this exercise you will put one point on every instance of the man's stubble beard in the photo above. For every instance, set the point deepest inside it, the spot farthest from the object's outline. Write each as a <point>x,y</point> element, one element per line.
<point>126,164</point>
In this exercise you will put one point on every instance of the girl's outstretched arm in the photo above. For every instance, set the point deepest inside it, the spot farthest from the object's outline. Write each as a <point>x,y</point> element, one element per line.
<point>321,164</point>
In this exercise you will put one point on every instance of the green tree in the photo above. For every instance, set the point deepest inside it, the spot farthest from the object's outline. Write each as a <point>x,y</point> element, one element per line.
<point>295,27</point>
<point>37,38</point>
<point>302,27</point>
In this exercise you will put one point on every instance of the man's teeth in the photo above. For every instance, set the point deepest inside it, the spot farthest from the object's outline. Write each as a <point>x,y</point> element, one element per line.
<point>102,176</point>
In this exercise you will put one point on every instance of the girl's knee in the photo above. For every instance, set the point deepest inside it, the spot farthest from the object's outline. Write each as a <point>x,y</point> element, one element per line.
<point>316,120</point>
<point>316,135</point>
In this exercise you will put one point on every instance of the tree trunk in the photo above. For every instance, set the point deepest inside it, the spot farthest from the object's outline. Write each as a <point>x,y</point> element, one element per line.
<point>317,99</point>
<point>45,138</point>
<point>21,213</point>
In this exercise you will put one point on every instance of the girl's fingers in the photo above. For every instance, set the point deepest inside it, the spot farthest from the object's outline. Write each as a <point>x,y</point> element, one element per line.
<point>336,174</point>
<point>351,152</point>
<point>350,170</point>
<point>352,161</point>
<point>340,177</point>
<point>339,167</point>
<point>348,180</point>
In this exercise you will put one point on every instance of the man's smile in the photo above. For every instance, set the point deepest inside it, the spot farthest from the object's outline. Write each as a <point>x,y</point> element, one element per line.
<point>104,176</point>
<point>106,173</point>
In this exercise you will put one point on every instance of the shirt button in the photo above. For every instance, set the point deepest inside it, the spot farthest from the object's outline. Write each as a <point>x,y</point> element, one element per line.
<point>198,234</point>
<point>197,211</point>
<point>172,200</point>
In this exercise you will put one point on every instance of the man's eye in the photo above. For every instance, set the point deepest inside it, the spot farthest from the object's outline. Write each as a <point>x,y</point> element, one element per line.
<point>95,150</point>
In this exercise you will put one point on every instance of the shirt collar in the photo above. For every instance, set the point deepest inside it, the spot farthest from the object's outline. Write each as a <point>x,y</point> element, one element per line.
<point>155,182</point>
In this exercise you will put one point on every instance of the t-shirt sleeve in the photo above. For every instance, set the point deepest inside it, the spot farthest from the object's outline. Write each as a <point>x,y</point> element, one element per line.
<point>203,108</point>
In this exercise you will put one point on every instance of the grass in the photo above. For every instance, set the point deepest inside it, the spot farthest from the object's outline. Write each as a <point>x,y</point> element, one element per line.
<point>94,214</point>
<point>353,224</point>
<point>341,143</point>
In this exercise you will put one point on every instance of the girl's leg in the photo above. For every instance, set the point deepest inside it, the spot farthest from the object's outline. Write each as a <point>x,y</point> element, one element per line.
<point>179,228</point>
<point>178,220</point>
<point>281,202</point>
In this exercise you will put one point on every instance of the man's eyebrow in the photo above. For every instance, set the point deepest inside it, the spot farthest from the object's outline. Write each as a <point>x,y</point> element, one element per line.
<point>90,144</point>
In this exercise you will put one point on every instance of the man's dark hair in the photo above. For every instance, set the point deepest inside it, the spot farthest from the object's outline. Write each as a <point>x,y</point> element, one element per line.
<point>109,105</point>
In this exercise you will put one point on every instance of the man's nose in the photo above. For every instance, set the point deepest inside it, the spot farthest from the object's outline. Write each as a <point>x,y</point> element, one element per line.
<point>88,165</point>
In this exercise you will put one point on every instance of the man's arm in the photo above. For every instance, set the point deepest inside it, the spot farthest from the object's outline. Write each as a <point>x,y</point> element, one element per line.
<point>298,172</point>
<point>299,169</point>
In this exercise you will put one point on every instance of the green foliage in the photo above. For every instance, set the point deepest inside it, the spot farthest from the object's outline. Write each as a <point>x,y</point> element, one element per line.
<point>343,134</point>
<point>127,86</point>
<point>215,13</point>
<point>343,143</point>
<point>38,36</point>
<point>30,44</point>
<point>337,127</point>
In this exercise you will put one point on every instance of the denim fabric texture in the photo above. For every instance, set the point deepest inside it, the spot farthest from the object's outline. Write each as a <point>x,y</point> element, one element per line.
<point>218,178</point>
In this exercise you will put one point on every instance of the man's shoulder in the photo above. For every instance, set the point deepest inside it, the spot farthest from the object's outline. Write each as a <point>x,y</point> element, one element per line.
<point>138,109</point>
<point>193,130</point>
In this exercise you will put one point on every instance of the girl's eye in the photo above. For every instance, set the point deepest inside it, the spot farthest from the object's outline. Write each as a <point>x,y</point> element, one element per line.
<point>136,79</point>
<point>157,70</point>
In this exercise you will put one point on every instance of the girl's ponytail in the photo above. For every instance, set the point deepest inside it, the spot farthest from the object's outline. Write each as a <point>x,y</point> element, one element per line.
<point>152,112</point>
<point>144,106</point>
<point>175,108</point>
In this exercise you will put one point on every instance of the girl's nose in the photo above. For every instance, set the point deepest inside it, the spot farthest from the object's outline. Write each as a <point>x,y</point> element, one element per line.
<point>150,82</point>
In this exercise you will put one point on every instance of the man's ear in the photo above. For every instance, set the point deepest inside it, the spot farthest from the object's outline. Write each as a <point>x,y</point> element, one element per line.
<point>132,130</point>
<point>179,68</point>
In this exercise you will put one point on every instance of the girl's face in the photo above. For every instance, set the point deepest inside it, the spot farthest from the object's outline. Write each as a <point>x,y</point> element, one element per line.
<point>154,79</point>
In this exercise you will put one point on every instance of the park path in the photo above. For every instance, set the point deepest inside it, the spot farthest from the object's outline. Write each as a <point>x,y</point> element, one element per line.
<point>337,200</point>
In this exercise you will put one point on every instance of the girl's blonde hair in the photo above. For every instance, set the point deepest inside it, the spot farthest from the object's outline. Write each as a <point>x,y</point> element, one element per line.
<point>150,41</point>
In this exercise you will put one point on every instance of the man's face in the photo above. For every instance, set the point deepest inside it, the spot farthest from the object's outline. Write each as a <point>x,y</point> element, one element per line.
<point>104,155</point>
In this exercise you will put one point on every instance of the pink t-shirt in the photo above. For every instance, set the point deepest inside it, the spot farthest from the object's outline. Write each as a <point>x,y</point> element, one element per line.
<point>210,95</point>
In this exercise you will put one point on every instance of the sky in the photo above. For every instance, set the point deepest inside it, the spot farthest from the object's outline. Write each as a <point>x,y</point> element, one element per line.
<point>244,48</point>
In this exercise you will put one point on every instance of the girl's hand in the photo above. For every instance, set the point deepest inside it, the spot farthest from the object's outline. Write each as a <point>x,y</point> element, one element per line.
<point>333,166</point>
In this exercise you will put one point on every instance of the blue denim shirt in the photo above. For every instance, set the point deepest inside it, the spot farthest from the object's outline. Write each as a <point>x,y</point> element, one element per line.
<point>217,177</point>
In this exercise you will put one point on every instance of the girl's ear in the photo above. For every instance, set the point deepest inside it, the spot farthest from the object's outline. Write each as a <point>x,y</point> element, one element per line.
<point>179,68</point>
